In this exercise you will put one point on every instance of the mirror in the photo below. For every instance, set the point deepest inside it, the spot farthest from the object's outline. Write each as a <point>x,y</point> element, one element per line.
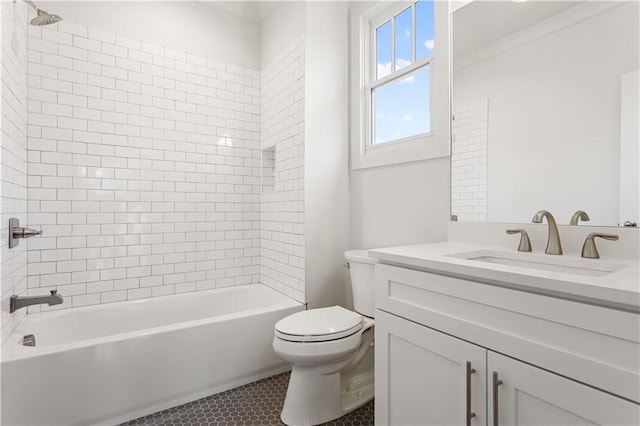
<point>545,111</point>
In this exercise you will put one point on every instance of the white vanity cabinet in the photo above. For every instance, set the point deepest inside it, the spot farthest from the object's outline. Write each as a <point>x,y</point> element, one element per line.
<point>528,396</point>
<point>440,339</point>
<point>422,375</point>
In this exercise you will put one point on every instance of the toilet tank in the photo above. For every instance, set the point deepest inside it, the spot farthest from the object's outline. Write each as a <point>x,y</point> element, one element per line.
<point>361,268</point>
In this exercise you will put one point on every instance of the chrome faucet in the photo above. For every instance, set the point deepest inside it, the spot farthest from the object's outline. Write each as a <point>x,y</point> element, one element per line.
<point>578,216</point>
<point>18,302</point>
<point>553,241</point>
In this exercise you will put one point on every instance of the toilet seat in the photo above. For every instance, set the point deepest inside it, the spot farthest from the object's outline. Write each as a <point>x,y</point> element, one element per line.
<point>319,325</point>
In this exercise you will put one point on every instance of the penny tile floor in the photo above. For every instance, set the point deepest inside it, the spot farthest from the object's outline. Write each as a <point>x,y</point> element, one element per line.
<point>257,403</point>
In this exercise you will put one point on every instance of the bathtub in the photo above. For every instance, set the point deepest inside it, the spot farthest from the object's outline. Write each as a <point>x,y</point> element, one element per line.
<point>111,363</point>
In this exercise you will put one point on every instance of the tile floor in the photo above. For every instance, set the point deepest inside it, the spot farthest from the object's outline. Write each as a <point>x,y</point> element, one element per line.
<point>257,403</point>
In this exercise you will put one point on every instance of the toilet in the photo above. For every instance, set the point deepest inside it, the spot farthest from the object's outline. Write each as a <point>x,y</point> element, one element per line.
<point>331,352</point>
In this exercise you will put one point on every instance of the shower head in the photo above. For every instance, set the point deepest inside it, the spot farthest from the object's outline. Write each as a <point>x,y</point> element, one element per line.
<point>42,18</point>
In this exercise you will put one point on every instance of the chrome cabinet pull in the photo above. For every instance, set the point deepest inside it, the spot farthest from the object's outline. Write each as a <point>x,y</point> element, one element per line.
<point>496,411</point>
<point>469,414</point>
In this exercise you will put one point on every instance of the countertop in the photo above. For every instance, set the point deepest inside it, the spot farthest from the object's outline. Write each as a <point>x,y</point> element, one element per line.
<point>619,289</point>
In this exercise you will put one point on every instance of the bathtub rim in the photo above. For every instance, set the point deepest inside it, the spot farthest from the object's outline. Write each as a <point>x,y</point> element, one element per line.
<point>12,350</point>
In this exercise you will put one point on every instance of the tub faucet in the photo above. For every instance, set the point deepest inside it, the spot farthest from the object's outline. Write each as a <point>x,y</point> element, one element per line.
<point>18,302</point>
<point>553,241</point>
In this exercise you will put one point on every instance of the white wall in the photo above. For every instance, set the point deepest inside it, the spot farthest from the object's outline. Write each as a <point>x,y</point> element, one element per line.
<point>13,158</point>
<point>144,168</point>
<point>326,152</point>
<point>400,204</point>
<point>188,26</point>
<point>285,22</point>
<point>554,118</point>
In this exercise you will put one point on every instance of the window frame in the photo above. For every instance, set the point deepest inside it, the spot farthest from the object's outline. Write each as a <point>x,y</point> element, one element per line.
<point>435,142</point>
<point>373,83</point>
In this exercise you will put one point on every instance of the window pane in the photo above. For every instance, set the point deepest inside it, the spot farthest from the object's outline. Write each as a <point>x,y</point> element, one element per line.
<point>404,39</point>
<point>383,50</point>
<point>401,108</point>
<point>424,29</point>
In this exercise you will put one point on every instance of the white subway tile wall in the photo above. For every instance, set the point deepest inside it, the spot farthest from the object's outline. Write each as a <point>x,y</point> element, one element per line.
<point>469,191</point>
<point>144,168</point>
<point>13,157</point>
<point>282,263</point>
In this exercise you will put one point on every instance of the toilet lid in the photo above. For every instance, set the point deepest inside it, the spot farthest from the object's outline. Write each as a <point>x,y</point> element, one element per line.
<point>319,325</point>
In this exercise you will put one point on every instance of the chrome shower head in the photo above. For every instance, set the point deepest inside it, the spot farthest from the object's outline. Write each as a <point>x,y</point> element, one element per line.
<point>43,18</point>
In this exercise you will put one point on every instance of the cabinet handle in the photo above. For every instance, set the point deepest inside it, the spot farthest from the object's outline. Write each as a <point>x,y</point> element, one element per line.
<point>470,414</point>
<point>496,411</point>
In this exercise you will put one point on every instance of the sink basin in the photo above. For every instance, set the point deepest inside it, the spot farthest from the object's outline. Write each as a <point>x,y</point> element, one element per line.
<point>562,264</point>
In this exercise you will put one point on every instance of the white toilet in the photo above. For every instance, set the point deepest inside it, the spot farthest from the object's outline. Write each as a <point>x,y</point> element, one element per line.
<point>331,352</point>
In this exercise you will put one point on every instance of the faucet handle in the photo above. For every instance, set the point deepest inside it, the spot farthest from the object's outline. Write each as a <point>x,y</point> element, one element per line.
<point>525,242</point>
<point>589,249</point>
<point>54,292</point>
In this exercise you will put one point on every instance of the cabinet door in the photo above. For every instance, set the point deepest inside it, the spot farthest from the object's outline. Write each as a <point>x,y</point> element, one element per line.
<point>528,395</point>
<point>421,376</point>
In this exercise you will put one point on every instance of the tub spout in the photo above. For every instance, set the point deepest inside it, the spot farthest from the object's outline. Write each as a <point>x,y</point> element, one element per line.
<point>18,302</point>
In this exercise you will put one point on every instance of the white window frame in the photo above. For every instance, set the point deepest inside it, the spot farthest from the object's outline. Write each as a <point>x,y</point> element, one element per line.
<point>435,143</point>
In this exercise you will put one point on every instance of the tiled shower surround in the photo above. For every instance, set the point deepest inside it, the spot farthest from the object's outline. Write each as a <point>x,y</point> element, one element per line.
<point>144,170</point>
<point>13,155</point>
<point>282,206</point>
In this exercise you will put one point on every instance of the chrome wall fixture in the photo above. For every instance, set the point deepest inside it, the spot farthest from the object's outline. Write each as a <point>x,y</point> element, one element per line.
<point>16,232</point>
<point>18,302</point>
<point>42,18</point>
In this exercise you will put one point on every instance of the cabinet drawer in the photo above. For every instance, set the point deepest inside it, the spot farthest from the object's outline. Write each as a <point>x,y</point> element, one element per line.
<point>594,345</point>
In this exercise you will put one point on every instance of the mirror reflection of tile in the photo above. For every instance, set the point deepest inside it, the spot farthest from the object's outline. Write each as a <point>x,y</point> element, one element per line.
<point>469,161</point>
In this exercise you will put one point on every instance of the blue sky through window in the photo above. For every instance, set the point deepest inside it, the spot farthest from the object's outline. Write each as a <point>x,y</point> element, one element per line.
<point>383,50</point>
<point>424,29</point>
<point>404,42</point>
<point>401,107</point>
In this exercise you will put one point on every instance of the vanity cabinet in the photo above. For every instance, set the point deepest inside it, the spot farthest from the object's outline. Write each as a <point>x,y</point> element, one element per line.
<point>440,341</point>
<point>421,375</point>
<point>529,396</point>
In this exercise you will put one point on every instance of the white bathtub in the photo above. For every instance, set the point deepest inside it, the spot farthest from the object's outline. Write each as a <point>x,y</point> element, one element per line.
<point>111,363</point>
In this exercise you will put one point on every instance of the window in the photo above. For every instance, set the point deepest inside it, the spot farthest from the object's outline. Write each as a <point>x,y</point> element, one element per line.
<point>399,97</point>
<point>403,82</point>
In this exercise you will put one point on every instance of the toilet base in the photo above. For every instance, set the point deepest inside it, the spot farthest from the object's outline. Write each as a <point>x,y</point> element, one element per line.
<point>318,394</point>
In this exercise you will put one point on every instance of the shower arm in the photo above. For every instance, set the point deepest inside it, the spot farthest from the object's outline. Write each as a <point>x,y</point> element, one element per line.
<point>32,4</point>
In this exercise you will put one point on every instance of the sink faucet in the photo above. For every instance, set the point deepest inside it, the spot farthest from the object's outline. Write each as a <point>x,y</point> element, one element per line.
<point>18,302</point>
<point>578,216</point>
<point>553,242</point>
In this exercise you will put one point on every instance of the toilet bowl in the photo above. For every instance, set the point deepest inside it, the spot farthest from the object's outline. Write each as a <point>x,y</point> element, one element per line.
<point>331,353</point>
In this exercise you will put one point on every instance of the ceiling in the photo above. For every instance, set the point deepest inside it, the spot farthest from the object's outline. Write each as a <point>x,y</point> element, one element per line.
<point>482,22</point>
<point>256,11</point>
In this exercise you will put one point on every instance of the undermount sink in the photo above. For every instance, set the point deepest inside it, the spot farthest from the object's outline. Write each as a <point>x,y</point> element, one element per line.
<point>550,263</point>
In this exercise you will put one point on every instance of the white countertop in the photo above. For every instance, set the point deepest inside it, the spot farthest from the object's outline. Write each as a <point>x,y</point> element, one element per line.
<point>619,289</point>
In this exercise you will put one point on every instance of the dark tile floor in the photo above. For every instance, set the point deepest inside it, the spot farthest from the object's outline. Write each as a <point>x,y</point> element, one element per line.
<point>257,403</point>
